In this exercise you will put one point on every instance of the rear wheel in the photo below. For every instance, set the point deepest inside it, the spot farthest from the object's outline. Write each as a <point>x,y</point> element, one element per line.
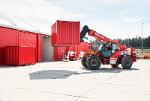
<point>83,61</point>
<point>114,65</point>
<point>93,62</point>
<point>126,62</point>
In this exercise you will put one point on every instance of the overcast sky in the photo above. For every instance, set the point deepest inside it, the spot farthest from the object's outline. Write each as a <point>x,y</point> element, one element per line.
<point>113,18</point>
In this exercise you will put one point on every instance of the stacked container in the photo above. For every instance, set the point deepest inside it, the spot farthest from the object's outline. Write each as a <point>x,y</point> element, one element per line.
<point>80,49</point>
<point>64,35</point>
<point>84,47</point>
<point>75,49</point>
<point>60,53</point>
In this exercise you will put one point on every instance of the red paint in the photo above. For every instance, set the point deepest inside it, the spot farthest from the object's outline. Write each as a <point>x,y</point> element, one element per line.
<point>39,48</point>
<point>16,55</point>
<point>74,48</point>
<point>17,37</point>
<point>59,53</point>
<point>8,37</point>
<point>32,40</point>
<point>84,47</point>
<point>133,55</point>
<point>65,33</point>
<point>101,37</point>
<point>2,58</point>
<point>27,39</point>
<point>116,54</point>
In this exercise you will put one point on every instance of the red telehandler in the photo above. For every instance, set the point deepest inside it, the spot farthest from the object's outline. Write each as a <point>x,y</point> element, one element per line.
<point>106,51</point>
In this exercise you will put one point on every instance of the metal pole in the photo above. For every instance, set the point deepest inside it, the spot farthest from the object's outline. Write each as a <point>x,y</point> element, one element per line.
<point>142,35</point>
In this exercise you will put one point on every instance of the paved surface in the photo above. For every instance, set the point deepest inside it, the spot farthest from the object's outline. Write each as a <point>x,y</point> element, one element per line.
<point>69,81</point>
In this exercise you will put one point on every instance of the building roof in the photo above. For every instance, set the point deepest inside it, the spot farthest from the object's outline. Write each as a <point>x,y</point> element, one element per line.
<point>17,23</point>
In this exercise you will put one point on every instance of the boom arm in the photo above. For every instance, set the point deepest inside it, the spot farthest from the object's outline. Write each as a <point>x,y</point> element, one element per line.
<point>98,37</point>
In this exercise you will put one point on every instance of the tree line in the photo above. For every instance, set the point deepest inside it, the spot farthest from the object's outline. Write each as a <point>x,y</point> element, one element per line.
<point>136,42</point>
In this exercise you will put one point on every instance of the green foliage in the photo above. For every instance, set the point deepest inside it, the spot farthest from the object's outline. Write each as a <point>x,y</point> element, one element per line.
<point>136,42</point>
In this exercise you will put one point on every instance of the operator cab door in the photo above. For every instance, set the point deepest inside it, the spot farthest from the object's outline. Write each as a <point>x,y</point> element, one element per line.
<point>106,50</point>
<point>115,48</point>
<point>109,49</point>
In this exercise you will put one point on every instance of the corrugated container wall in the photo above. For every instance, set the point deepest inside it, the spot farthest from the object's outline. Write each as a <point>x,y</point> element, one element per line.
<point>16,55</point>
<point>74,48</point>
<point>39,48</point>
<point>19,38</point>
<point>65,33</point>
<point>1,56</point>
<point>8,37</point>
<point>59,53</point>
<point>27,39</point>
<point>84,47</point>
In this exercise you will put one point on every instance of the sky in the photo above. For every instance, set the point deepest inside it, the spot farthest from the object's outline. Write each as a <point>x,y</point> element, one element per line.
<point>112,18</point>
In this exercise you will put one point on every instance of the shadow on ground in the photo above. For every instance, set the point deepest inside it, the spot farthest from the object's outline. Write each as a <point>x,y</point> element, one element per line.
<point>63,74</point>
<point>51,74</point>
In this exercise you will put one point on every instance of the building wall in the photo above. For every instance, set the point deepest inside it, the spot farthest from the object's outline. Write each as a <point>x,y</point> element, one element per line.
<point>48,50</point>
<point>27,39</point>
<point>18,41</point>
<point>8,37</point>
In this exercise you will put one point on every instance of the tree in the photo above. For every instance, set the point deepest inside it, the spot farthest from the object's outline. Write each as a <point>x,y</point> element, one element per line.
<point>136,42</point>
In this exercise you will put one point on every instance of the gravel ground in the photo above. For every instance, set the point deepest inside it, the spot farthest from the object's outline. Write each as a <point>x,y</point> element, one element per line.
<point>69,81</point>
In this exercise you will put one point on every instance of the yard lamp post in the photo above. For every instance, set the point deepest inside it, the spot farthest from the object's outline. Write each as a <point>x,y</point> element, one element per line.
<point>142,35</point>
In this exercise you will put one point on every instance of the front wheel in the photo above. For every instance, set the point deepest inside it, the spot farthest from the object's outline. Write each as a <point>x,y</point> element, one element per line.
<point>126,62</point>
<point>93,62</point>
<point>83,62</point>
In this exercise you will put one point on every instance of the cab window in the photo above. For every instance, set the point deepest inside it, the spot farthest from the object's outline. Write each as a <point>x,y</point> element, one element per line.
<point>115,47</point>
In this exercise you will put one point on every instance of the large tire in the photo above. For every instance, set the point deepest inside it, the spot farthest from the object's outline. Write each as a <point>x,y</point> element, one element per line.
<point>126,62</point>
<point>93,62</point>
<point>114,65</point>
<point>83,62</point>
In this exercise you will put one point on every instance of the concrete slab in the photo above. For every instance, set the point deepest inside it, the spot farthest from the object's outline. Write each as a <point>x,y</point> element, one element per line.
<point>69,81</point>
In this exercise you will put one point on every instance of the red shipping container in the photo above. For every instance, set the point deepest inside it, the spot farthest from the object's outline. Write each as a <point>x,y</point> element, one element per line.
<point>59,53</point>
<point>16,55</point>
<point>74,48</point>
<point>39,48</point>
<point>84,47</point>
<point>1,56</point>
<point>17,37</point>
<point>65,33</point>
<point>8,37</point>
<point>27,39</point>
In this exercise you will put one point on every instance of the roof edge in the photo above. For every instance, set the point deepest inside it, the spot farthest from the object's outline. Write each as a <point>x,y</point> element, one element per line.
<point>23,29</point>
